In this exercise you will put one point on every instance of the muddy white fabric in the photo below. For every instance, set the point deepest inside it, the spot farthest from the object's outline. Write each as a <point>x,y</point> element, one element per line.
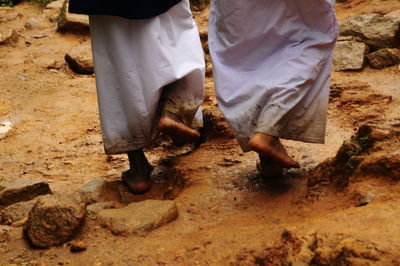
<point>134,60</point>
<point>271,63</point>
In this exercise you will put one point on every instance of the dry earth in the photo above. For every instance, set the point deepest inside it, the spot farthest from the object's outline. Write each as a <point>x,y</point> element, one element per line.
<point>227,214</point>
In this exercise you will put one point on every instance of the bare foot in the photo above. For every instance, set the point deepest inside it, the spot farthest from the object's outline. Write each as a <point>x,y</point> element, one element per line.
<point>268,168</point>
<point>137,183</point>
<point>179,132</point>
<point>137,178</point>
<point>271,147</point>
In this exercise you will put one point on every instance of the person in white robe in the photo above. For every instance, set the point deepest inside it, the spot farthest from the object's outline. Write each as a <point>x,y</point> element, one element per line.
<point>149,78</point>
<point>272,62</point>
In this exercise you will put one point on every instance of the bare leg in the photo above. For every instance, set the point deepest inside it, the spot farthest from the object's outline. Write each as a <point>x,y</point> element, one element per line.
<point>179,132</point>
<point>271,147</point>
<point>137,178</point>
<point>269,168</point>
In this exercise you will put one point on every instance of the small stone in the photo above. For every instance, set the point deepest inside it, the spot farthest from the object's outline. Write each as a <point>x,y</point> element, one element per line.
<point>32,23</point>
<point>384,58</point>
<point>21,189</point>
<point>77,246</point>
<point>138,218</point>
<point>362,198</point>
<point>80,60</point>
<point>349,55</point>
<point>39,36</point>
<point>9,233</point>
<point>55,4</point>
<point>14,213</point>
<point>8,36</point>
<point>22,77</point>
<point>71,22</point>
<point>54,220</point>
<point>5,127</point>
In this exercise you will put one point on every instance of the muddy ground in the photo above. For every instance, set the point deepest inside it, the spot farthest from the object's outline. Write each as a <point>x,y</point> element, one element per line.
<point>227,214</point>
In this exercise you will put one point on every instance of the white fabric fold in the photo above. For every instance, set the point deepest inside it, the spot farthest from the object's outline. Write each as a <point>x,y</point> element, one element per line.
<point>134,60</point>
<point>271,62</point>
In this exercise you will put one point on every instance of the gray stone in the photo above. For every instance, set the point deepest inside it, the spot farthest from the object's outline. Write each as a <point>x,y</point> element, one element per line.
<point>21,190</point>
<point>384,58</point>
<point>54,220</point>
<point>375,30</point>
<point>98,190</point>
<point>8,36</point>
<point>32,23</point>
<point>349,55</point>
<point>71,22</point>
<point>80,60</point>
<point>15,213</point>
<point>138,218</point>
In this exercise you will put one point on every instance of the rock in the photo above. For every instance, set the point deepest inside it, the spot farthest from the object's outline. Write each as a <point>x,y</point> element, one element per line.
<point>95,208</point>
<point>71,22</point>
<point>8,36</point>
<point>56,4</point>
<point>9,16</point>
<point>54,220</point>
<point>361,197</point>
<point>5,107</point>
<point>346,38</point>
<point>98,190</point>
<point>77,246</point>
<point>382,164</point>
<point>32,23</point>
<point>354,248</point>
<point>349,55</point>
<point>16,212</point>
<point>21,190</point>
<point>9,233</point>
<point>138,218</point>
<point>49,63</point>
<point>5,127</point>
<point>375,30</point>
<point>80,60</point>
<point>384,58</point>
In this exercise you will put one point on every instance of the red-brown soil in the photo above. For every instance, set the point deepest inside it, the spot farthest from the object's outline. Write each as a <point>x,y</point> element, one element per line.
<point>227,214</point>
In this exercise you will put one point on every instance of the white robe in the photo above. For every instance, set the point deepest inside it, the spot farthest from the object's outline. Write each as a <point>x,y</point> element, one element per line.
<point>134,60</point>
<point>271,62</point>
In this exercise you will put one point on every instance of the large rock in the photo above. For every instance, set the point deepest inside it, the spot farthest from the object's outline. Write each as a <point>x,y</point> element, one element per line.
<point>349,55</point>
<point>21,190</point>
<point>80,60</point>
<point>16,213</point>
<point>54,220</point>
<point>375,30</point>
<point>138,218</point>
<point>384,58</point>
<point>71,22</point>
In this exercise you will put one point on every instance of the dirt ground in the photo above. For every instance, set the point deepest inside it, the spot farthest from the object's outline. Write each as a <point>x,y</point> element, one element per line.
<point>227,214</point>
